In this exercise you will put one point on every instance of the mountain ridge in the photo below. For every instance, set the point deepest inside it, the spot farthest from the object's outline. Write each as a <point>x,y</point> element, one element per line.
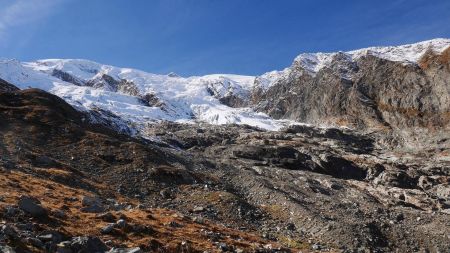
<point>137,96</point>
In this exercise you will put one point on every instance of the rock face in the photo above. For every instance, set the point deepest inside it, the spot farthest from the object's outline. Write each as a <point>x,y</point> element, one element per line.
<point>365,93</point>
<point>372,93</point>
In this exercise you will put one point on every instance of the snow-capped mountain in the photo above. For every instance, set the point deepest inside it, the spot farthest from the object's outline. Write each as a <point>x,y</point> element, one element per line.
<point>138,97</point>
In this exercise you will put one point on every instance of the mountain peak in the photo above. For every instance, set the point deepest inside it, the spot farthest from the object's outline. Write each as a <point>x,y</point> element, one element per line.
<point>173,74</point>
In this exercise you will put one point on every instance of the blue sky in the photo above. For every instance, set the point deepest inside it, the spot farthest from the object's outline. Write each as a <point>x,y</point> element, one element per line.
<point>196,37</point>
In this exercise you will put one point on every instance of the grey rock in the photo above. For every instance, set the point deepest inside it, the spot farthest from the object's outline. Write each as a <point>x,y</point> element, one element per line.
<point>64,247</point>
<point>51,236</point>
<point>174,224</point>
<point>7,87</point>
<point>223,247</point>
<point>121,223</point>
<point>291,227</point>
<point>35,242</point>
<point>443,191</point>
<point>32,206</point>
<point>87,244</point>
<point>44,161</point>
<point>60,214</point>
<point>92,205</point>
<point>373,93</point>
<point>108,228</point>
<point>395,178</point>
<point>124,250</point>
<point>316,246</point>
<point>6,249</point>
<point>108,217</point>
<point>198,209</point>
<point>199,220</point>
<point>141,229</point>
<point>340,167</point>
<point>165,193</point>
<point>25,226</point>
<point>399,217</point>
<point>11,211</point>
<point>90,200</point>
<point>9,231</point>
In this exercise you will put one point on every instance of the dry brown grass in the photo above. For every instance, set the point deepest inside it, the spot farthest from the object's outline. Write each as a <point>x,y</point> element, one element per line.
<point>53,196</point>
<point>430,58</point>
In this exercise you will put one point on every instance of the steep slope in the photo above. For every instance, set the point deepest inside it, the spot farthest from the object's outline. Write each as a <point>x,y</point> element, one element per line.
<point>6,87</point>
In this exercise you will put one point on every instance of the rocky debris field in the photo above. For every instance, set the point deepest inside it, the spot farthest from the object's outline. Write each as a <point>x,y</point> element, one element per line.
<point>331,187</point>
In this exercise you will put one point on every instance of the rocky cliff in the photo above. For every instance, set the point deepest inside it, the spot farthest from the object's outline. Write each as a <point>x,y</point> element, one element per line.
<point>373,93</point>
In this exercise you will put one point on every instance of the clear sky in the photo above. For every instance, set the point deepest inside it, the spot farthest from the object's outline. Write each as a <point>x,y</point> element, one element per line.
<point>196,37</point>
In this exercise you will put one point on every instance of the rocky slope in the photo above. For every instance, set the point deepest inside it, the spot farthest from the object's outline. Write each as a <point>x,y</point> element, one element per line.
<point>403,89</point>
<point>114,169</point>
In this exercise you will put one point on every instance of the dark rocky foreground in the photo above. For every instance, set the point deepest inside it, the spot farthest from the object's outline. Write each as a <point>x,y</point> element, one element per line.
<point>303,188</point>
<point>333,187</point>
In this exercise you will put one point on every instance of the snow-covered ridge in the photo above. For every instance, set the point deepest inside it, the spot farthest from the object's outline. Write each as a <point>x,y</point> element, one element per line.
<point>313,62</point>
<point>411,53</point>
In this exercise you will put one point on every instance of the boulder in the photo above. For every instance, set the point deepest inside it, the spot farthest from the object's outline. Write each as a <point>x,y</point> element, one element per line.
<point>32,206</point>
<point>108,228</point>
<point>92,205</point>
<point>396,178</point>
<point>87,244</point>
<point>6,249</point>
<point>9,231</point>
<point>124,250</point>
